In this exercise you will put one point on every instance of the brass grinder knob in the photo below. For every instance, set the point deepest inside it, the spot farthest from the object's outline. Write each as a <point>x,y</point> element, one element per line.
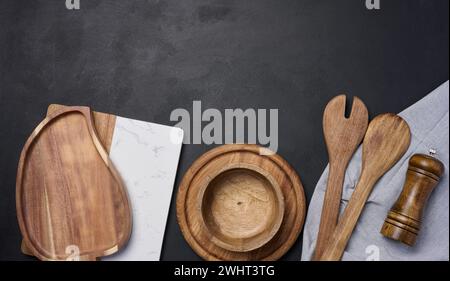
<point>404,219</point>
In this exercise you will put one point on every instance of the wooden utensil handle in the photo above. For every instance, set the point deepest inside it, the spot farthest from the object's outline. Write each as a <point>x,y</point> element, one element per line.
<point>338,241</point>
<point>330,208</point>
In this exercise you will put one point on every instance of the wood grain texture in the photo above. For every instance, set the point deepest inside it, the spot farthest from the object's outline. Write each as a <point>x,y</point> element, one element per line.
<point>196,209</point>
<point>66,191</point>
<point>342,137</point>
<point>404,219</point>
<point>387,139</point>
<point>104,125</point>
<point>242,207</point>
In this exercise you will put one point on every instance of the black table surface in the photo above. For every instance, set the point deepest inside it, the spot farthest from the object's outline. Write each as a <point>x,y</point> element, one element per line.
<point>142,59</point>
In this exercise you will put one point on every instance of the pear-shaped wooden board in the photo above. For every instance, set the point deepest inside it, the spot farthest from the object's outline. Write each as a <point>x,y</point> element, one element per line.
<point>67,191</point>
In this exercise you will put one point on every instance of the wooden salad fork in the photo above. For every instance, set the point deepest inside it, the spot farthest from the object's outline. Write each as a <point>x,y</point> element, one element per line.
<point>342,137</point>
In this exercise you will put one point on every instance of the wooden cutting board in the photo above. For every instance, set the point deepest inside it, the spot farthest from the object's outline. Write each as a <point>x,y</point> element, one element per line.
<point>71,202</point>
<point>228,204</point>
<point>146,155</point>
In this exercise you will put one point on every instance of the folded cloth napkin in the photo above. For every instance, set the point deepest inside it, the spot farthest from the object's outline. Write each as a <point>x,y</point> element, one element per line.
<point>428,120</point>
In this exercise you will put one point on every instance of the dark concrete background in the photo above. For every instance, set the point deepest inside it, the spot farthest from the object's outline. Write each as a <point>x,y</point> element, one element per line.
<point>142,59</point>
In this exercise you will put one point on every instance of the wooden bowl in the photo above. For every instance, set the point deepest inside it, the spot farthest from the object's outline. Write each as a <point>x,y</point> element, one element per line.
<point>236,203</point>
<point>242,207</point>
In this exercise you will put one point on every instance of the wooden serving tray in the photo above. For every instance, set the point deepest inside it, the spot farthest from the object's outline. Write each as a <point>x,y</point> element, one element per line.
<point>236,204</point>
<point>69,197</point>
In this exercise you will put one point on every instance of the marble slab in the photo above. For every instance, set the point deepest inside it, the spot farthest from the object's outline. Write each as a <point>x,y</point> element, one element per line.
<point>146,156</point>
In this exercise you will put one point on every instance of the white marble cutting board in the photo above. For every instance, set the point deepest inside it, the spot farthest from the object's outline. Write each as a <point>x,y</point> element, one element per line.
<point>146,156</point>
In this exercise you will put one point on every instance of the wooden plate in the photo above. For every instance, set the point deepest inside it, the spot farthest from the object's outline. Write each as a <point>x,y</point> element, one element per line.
<point>66,191</point>
<point>236,204</point>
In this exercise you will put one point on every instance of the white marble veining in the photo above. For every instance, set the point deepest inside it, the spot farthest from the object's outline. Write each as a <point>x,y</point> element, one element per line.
<point>146,156</point>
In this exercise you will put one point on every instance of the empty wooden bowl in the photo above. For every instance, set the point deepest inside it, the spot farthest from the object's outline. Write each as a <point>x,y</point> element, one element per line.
<point>242,207</point>
<point>235,203</point>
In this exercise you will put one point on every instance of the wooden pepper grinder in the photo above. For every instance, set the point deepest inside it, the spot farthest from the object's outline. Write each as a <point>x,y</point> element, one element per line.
<point>404,219</point>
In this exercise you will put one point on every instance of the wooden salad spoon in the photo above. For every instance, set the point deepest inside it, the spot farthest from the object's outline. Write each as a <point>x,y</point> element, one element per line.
<point>387,139</point>
<point>342,137</point>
